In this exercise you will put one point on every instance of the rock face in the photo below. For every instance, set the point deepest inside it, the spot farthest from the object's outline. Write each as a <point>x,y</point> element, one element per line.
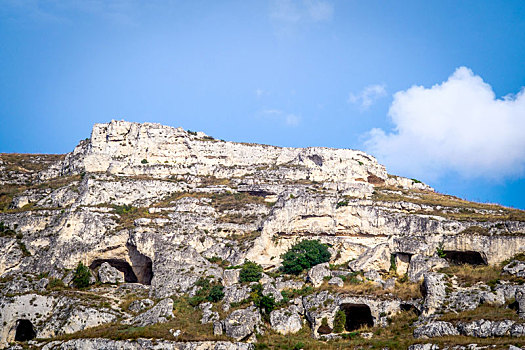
<point>160,213</point>
<point>109,274</point>
<point>285,321</point>
<point>160,313</point>
<point>240,324</point>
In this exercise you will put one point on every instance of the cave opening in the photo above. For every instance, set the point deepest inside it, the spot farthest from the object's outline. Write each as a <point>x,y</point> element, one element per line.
<point>357,316</point>
<point>121,265</point>
<point>141,264</point>
<point>470,257</point>
<point>409,308</point>
<point>24,330</point>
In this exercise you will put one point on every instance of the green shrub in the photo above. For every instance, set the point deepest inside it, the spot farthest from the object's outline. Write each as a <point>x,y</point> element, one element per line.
<point>55,284</point>
<point>250,272</point>
<point>216,294</point>
<point>124,209</point>
<point>339,321</point>
<point>304,255</point>
<point>440,251</point>
<point>81,276</point>
<point>144,161</point>
<point>342,203</point>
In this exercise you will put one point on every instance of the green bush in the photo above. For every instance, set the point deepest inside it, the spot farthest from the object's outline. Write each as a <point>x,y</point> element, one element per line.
<point>250,272</point>
<point>304,255</point>
<point>339,322</point>
<point>144,161</point>
<point>265,303</point>
<point>216,294</point>
<point>81,276</point>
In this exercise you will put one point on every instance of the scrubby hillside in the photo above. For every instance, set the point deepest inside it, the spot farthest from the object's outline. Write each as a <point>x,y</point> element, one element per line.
<point>147,236</point>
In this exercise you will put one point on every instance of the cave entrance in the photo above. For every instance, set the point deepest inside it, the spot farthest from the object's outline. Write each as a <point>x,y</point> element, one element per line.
<point>141,264</point>
<point>24,330</point>
<point>470,257</point>
<point>409,308</point>
<point>121,265</point>
<point>357,316</point>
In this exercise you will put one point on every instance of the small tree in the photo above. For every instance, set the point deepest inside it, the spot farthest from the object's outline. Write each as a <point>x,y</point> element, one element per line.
<point>216,293</point>
<point>304,255</point>
<point>250,272</point>
<point>81,276</point>
<point>339,322</point>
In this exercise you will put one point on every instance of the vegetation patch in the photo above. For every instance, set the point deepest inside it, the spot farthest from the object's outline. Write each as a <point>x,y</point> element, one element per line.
<point>304,255</point>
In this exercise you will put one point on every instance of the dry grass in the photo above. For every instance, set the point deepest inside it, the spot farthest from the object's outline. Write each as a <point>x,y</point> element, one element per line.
<point>238,218</point>
<point>463,210</point>
<point>468,275</point>
<point>29,162</point>
<point>485,311</point>
<point>8,192</point>
<point>234,201</point>
<point>186,318</point>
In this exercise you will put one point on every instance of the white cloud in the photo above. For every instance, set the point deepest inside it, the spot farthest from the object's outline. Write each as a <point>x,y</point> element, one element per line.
<point>368,96</point>
<point>277,115</point>
<point>457,126</point>
<point>292,11</point>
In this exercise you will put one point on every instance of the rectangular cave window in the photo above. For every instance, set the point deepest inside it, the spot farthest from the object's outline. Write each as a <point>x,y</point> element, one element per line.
<point>458,257</point>
<point>357,316</point>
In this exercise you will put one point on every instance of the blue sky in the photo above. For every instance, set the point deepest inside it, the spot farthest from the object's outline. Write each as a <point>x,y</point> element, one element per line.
<point>433,89</point>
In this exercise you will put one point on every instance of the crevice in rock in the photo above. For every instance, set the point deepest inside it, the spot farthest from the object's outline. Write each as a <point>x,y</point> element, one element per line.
<point>121,265</point>
<point>470,257</point>
<point>24,330</point>
<point>357,316</point>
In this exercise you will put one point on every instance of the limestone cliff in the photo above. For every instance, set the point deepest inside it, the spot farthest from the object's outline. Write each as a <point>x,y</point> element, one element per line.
<point>167,207</point>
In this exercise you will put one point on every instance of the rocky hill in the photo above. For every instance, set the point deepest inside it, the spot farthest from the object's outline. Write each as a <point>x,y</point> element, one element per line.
<point>153,237</point>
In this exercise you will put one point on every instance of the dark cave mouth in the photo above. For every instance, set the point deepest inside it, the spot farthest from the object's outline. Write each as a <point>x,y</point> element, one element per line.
<point>121,265</point>
<point>24,330</point>
<point>458,257</point>
<point>139,271</point>
<point>357,316</point>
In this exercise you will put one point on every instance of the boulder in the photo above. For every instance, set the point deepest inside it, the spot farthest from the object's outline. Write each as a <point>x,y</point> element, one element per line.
<point>376,258</point>
<point>435,329</point>
<point>109,274</point>
<point>140,305</point>
<point>434,291</point>
<point>285,321</point>
<point>270,290</point>
<point>317,274</point>
<point>336,281</point>
<point>485,328</point>
<point>230,277</point>
<point>516,268</point>
<point>242,323</point>
<point>160,313</point>
<point>420,264</point>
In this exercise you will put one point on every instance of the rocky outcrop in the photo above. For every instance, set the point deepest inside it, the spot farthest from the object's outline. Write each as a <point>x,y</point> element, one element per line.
<point>109,274</point>
<point>287,320</point>
<point>240,324</point>
<point>160,313</point>
<point>435,329</point>
<point>318,273</point>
